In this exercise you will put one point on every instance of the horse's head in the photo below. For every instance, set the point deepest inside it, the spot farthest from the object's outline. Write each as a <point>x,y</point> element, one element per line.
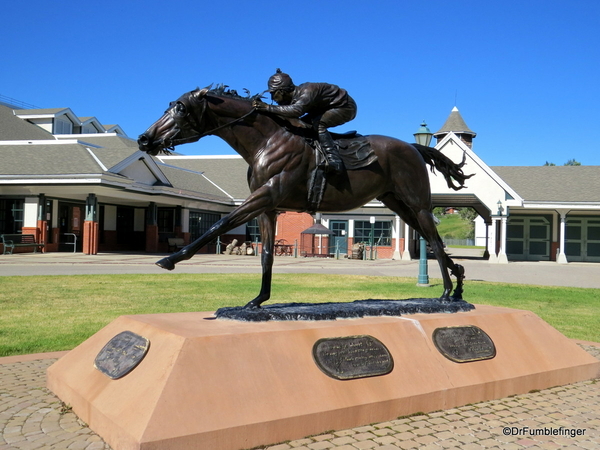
<point>181,123</point>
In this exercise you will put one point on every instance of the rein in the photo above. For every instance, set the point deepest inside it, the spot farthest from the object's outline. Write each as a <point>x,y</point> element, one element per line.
<point>199,136</point>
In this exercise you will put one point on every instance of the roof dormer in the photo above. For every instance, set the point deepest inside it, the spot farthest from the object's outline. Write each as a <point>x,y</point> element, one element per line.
<point>54,120</point>
<point>89,125</point>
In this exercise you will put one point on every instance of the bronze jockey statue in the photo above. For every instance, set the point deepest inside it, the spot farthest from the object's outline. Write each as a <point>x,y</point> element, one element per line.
<point>321,104</point>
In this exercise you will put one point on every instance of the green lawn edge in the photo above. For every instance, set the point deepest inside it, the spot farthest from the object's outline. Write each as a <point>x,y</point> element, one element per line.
<point>52,313</point>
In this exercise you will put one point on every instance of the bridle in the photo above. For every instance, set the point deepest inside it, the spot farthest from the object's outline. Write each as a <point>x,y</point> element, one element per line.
<point>195,126</point>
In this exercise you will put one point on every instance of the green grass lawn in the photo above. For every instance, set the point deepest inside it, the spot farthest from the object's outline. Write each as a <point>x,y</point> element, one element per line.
<point>452,226</point>
<point>48,313</point>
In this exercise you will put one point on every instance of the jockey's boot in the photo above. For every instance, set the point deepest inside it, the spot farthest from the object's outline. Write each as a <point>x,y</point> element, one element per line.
<point>334,163</point>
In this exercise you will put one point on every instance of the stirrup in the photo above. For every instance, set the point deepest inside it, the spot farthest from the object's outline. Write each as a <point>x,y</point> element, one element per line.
<point>334,165</point>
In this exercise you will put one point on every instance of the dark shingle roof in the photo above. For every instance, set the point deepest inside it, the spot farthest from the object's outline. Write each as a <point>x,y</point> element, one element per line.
<point>194,182</point>
<point>39,111</point>
<point>230,174</point>
<point>107,140</point>
<point>456,124</point>
<point>13,128</point>
<point>46,160</point>
<point>553,183</point>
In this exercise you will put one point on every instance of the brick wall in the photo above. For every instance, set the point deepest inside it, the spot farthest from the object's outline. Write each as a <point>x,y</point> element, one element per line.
<point>291,224</point>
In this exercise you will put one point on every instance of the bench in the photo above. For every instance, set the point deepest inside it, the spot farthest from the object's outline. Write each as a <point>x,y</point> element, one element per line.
<point>175,244</point>
<point>11,241</point>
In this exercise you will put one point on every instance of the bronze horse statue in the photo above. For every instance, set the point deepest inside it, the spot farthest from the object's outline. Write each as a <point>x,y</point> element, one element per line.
<point>280,161</point>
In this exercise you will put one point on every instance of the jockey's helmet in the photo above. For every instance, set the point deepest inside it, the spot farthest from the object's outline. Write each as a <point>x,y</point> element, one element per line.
<point>280,81</point>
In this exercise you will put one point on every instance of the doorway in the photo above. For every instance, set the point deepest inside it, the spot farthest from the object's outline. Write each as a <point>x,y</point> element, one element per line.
<point>126,240</point>
<point>528,238</point>
<point>70,227</point>
<point>582,241</point>
<point>339,239</point>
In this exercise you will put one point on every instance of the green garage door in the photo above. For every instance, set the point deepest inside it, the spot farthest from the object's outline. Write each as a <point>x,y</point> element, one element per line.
<point>582,239</point>
<point>528,238</point>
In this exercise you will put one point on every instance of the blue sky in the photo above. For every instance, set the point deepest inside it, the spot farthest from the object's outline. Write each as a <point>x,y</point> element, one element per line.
<point>524,74</point>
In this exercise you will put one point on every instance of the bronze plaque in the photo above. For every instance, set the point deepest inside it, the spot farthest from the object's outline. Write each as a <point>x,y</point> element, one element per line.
<point>464,344</point>
<point>121,354</point>
<point>346,358</point>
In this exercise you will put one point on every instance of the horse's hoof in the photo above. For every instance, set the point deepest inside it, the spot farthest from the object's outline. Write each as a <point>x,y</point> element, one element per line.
<point>445,298</point>
<point>165,263</point>
<point>456,297</point>
<point>252,305</point>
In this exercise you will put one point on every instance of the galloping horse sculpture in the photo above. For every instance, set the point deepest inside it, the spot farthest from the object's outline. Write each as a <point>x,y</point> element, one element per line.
<point>280,162</point>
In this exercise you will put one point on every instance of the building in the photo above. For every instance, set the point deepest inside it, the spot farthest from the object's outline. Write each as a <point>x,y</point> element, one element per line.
<point>78,185</point>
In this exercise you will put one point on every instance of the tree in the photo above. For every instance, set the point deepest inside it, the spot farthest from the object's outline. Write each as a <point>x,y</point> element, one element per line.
<point>571,162</point>
<point>468,215</point>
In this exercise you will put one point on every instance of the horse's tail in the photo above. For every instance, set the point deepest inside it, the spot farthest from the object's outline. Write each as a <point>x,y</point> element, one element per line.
<point>438,161</point>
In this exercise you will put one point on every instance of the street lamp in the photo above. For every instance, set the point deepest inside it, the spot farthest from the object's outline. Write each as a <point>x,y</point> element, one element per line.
<point>423,135</point>
<point>500,208</point>
<point>372,220</point>
<point>423,280</point>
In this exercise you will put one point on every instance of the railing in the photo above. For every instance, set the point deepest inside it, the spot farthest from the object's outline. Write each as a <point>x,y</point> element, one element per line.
<point>18,103</point>
<point>451,242</point>
<point>74,243</point>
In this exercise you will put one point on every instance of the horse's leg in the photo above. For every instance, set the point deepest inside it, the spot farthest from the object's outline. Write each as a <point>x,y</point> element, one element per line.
<point>266,222</point>
<point>422,222</point>
<point>258,202</point>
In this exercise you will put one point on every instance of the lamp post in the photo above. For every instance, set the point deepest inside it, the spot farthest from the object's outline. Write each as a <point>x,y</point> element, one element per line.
<point>423,137</point>
<point>372,220</point>
<point>500,208</point>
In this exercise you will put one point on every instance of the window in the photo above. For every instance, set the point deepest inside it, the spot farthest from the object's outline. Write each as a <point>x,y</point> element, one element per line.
<point>89,129</point>
<point>11,216</point>
<point>252,231</point>
<point>200,222</point>
<point>166,220</point>
<point>382,232</point>
<point>62,125</point>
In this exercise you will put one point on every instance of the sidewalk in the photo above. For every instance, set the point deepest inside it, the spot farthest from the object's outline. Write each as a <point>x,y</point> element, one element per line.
<point>585,275</point>
<point>31,417</point>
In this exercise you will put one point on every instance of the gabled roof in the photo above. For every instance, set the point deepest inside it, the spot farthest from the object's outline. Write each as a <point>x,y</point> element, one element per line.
<point>137,158</point>
<point>475,164</point>
<point>188,181</point>
<point>31,155</point>
<point>227,172</point>
<point>114,128</point>
<point>93,121</point>
<point>553,183</point>
<point>30,114</point>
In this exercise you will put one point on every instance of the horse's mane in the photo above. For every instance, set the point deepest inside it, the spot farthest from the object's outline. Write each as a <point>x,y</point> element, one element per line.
<point>294,125</point>
<point>222,90</point>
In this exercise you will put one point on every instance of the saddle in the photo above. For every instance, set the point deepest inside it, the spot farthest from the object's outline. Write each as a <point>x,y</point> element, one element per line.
<point>354,149</point>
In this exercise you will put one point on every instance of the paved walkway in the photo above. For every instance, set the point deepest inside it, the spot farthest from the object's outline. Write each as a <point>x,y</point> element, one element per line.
<point>538,273</point>
<point>31,417</point>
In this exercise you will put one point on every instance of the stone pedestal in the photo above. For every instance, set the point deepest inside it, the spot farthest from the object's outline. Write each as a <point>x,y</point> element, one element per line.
<point>226,385</point>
